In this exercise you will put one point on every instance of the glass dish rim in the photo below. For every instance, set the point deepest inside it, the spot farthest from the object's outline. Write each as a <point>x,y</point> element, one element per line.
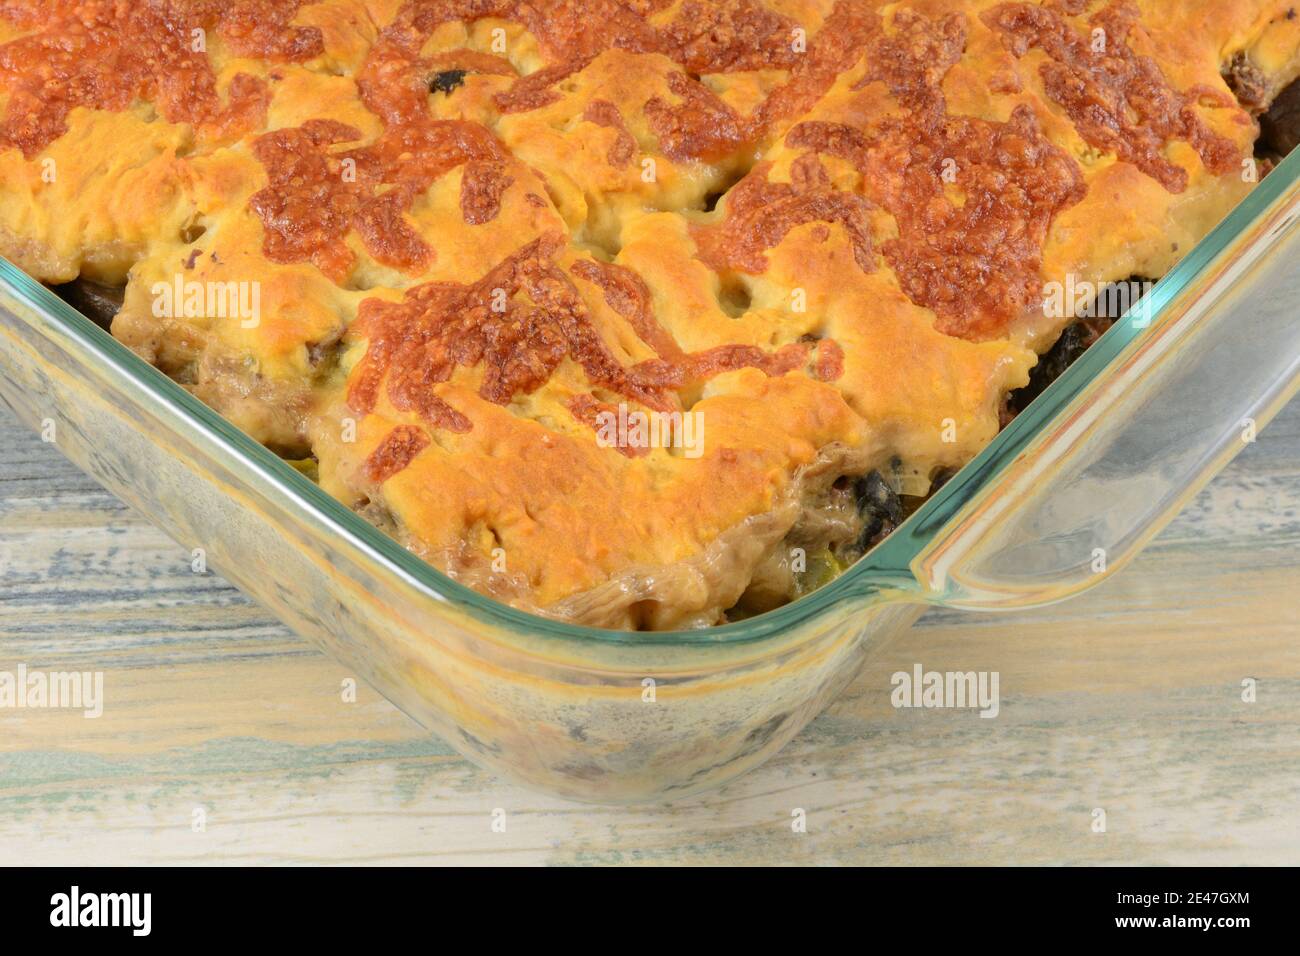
<point>884,568</point>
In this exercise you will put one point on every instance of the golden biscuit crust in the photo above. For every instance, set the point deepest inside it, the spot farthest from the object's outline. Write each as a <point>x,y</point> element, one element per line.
<point>459,252</point>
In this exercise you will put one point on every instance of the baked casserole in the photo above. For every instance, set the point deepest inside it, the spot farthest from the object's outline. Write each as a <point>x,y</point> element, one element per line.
<point>643,314</point>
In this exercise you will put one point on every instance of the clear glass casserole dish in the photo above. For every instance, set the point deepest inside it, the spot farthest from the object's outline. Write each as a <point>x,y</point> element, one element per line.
<point>1065,495</point>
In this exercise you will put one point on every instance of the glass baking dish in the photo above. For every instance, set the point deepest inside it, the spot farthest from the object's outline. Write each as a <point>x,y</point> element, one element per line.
<point>1065,495</point>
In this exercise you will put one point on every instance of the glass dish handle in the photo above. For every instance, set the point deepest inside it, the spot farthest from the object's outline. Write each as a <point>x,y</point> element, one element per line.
<point>1216,358</point>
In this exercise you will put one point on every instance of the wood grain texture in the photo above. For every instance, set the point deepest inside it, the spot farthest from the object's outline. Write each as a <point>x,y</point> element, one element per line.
<point>1126,699</point>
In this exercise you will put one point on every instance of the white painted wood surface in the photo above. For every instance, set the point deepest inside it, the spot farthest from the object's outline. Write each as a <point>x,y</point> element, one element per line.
<point>1127,699</point>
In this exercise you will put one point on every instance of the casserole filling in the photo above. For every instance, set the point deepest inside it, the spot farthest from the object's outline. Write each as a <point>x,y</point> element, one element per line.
<point>636,313</point>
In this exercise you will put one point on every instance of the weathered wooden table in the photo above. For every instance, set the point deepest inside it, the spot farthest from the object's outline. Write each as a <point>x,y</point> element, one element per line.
<point>224,739</point>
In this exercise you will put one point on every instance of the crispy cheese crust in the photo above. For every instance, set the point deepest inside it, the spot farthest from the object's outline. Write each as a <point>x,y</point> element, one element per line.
<point>460,250</point>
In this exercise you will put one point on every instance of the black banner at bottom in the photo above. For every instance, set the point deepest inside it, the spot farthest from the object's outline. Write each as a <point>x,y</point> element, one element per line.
<point>335,905</point>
